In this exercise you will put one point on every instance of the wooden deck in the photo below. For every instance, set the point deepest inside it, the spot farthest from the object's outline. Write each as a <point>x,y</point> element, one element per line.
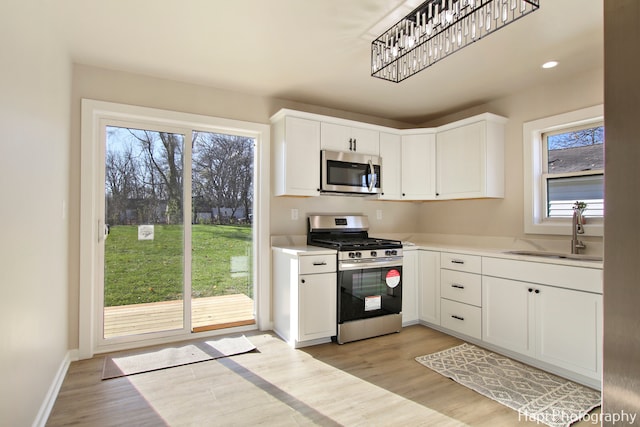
<point>207,314</point>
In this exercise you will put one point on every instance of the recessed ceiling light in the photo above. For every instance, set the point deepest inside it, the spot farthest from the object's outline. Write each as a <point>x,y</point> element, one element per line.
<point>550,64</point>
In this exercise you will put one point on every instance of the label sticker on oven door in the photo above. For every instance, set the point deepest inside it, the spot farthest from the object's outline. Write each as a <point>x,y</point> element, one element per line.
<point>373,302</point>
<point>393,278</point>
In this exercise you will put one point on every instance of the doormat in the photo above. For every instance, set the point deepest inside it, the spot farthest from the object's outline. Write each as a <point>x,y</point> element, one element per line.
<point>537,395</point>
<point>152,360</point>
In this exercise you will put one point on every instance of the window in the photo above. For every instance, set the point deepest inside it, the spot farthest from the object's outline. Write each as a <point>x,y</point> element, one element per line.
<point>564,163</point>
<point>574,170</point>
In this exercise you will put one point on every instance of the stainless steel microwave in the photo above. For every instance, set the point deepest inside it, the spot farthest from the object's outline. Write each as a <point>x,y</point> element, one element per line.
<point>350,173</point>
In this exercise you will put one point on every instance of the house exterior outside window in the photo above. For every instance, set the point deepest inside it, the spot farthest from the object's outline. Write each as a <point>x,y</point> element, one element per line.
<point>574,170</point>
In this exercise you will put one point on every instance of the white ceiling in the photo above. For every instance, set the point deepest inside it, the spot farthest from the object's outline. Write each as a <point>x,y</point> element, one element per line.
<point>318,52</point>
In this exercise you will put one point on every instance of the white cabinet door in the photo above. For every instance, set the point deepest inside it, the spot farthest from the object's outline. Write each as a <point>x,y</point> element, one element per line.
<point>506,314</point>
<point>297,157</point>
<point>470,160</point>
<point>317,306</point>
<point>418,167</point>
<point>429,290</point>
<point>391,154</point>
<point>562,327</point>
<point>366,141</point>
<point>460,163</point>
<point>568,329</point>
<point>410,282</point>
<point>345,138</point>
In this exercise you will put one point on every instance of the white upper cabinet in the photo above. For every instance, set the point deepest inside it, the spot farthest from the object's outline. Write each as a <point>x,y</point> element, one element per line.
<point>391,154</point>
<point>337,137</point>
<point>296,143</point>
<point>418,167</point>
<point>470,158</point>
<point>460,160</point>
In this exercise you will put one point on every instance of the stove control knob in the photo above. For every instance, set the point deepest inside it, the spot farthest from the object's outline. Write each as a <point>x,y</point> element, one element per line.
<point>358,254</point>
<point>374,254</point>
<point>394,252</point>
<point>387,253</point>
<point>352,255</point>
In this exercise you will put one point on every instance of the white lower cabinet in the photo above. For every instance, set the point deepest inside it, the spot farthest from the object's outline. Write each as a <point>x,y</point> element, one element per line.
<point>316,306</point>
<point>460,303</point>
<point>559,326</point>
<point>410,282</point>
<point>568,329</point>
<point>506,315</point>
<point>461,318</point>
<point>429,289</point>
<point>304,297</point>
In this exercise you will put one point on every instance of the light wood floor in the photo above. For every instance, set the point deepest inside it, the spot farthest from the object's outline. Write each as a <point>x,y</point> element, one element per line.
<point>374,382</point>
<point>207,313</point>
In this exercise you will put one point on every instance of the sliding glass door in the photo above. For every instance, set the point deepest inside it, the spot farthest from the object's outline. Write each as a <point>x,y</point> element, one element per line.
<point>144,242</point>
<point>175,228</point>
<point>222,184</point>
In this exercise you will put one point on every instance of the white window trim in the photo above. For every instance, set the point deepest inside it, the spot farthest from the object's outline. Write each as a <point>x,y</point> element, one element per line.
<point>93,112</point>
<point>534,203</point>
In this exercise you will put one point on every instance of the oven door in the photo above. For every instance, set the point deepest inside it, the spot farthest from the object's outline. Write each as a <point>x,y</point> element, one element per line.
<point>350,173</point>
<point>369,292</point>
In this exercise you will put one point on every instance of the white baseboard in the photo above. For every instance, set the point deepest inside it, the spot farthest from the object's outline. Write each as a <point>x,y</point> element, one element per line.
<point>52,394</point>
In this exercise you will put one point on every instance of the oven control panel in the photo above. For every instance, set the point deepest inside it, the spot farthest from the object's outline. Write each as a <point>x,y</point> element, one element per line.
<point>369,254</point>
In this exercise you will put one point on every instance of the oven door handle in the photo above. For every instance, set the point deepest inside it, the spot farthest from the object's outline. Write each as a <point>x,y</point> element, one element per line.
<point>348,265</point>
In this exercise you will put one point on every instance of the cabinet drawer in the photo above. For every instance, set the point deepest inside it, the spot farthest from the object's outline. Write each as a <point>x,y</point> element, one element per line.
<point>313,264</point>
<point>461,262</point>
<point>461,287</point>
<point>462,318</point>
<point>564,276</point>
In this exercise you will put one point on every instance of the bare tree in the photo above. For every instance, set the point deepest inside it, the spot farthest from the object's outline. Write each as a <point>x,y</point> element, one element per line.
<point>223,171</point>
<point>577,138</point>
<point>163,153</point>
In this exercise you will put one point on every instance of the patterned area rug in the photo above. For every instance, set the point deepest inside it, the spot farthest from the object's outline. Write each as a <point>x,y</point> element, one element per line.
<point>537,395</point>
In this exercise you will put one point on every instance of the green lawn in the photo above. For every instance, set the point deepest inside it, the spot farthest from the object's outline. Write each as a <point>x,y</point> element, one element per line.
<point>140,271</point>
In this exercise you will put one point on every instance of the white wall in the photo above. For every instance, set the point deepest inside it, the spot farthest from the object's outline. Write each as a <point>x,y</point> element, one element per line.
<point>35,82</point>
<point>505,217</point>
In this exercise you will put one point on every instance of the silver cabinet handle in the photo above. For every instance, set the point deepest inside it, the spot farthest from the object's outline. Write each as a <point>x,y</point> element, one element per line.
<point>455,285</point>
<point>457,261</point>
<point>320,263</point>
<point>457,317</point>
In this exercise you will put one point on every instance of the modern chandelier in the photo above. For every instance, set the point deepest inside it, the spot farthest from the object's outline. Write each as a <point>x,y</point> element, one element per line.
<point>438,28</point>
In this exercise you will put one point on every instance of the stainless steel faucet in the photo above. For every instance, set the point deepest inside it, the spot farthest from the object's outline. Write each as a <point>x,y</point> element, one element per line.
<point>577,227</point>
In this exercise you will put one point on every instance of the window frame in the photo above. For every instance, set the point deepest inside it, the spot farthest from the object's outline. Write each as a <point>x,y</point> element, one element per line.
<point>534,156</point>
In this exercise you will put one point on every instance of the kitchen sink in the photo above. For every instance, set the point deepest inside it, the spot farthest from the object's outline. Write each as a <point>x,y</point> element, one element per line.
<point>556,255</point>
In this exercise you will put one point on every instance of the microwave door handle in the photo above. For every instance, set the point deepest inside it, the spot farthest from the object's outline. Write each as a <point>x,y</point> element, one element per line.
<point>372,182</point>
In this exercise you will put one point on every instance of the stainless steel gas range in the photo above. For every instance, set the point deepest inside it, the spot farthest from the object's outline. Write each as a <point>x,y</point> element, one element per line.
<point>369,276</point>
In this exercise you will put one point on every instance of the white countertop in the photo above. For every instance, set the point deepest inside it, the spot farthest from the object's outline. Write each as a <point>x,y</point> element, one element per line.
<point>300,250</point>
<point>499,253</point>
